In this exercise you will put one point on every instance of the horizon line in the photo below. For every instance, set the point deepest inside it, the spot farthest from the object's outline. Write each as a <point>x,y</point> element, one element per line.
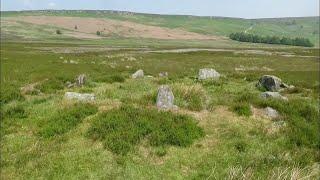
<point>281,17</point>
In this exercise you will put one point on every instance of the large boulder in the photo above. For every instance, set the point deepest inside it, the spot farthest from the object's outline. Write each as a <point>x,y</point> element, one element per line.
<point>81,80</point>
<point>271,113</point>
<point>79,97</point>
<point>271,83</point>
<point>138,74</point>
<point>208,74</point>
<point>275,95</point>
<point>165,98</point>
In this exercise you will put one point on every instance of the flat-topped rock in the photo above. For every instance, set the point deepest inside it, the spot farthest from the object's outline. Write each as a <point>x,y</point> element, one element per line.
<point>165,98</point>
<point>79,96</point>
<point>138,74</point>
<point>275,95</point>
<point>207,73</point>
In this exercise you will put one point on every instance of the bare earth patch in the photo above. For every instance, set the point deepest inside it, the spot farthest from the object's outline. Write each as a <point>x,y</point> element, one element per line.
<point>87,28</point>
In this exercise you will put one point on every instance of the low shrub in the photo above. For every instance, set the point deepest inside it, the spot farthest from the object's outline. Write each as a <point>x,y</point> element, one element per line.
<point>66,119</point>
<point>121,129</point>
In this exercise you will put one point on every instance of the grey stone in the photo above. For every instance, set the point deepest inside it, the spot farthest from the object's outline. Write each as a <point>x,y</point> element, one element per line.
<point>165,98</point>
<point>275,95</point>
<point>163,74</point>
<point>271,113</point>
<point>271,83</point>
<point>208,74</point>
<point>79,97</point>
<point>81,80</point>
<point>138,74</point>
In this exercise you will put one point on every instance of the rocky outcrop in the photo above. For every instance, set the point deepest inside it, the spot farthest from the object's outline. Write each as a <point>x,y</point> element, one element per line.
<point>208,74</point>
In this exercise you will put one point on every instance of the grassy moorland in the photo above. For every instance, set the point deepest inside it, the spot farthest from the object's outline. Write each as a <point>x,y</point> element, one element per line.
<point>219,130</point>
<point>215,134</point>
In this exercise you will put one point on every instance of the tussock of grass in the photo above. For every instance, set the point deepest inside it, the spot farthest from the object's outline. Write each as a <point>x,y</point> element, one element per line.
<point>121,129</point>
<point>50,86</point>
<point>111,79</point>
<point>10,93</point>
<point>15,111</point>
<point>66,119</point>
<point>242,109</point>
<point>192,97</point>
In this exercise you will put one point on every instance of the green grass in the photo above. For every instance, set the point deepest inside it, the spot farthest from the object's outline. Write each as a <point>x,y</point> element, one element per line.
<point>66,119</point>
<point>122,136</point>
<point>132,125</point>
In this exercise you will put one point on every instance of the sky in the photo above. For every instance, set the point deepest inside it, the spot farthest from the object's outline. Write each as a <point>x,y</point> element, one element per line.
<point>227,8</point>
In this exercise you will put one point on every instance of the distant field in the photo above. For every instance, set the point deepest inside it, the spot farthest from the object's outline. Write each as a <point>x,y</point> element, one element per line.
<point>307,27</point>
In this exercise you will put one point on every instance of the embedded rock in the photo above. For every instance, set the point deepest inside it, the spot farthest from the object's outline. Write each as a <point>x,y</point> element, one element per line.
<point>208,74</point>
<point>275,95</point>
<point>271,113</point>
<point>163,74</point>
<point>79,97</point>
<point>138,74</point>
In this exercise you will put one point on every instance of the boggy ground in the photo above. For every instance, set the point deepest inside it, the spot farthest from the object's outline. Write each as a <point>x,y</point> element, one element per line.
<point>223,135</point>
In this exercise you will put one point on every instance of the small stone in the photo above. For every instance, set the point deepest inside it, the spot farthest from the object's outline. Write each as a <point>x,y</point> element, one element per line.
<point>163,74</point>
<point>79,97</point>
<point>271,113</point>
<point>165,98</point>
<point>275,95</point>
<point>138,74</point>
<point>208,74</point>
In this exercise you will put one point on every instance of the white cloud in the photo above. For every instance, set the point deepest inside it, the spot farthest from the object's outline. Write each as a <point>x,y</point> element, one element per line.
<point>52,4</point>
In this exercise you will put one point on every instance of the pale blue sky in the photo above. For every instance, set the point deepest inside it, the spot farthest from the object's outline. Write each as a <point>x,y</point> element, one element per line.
<point>229,8</point>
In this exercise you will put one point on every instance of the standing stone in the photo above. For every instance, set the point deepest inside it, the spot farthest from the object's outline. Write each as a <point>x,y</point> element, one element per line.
<point>271,83</point>
<point>165,98</point>
<point>79,97</point>
<point>208,74</point>
<point>138,74</point>
<point>81,80</point>
<point>275,95</point>
<point>271,113</point>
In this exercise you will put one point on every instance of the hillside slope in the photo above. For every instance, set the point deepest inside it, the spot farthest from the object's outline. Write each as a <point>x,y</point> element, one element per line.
<point>307,27</point>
